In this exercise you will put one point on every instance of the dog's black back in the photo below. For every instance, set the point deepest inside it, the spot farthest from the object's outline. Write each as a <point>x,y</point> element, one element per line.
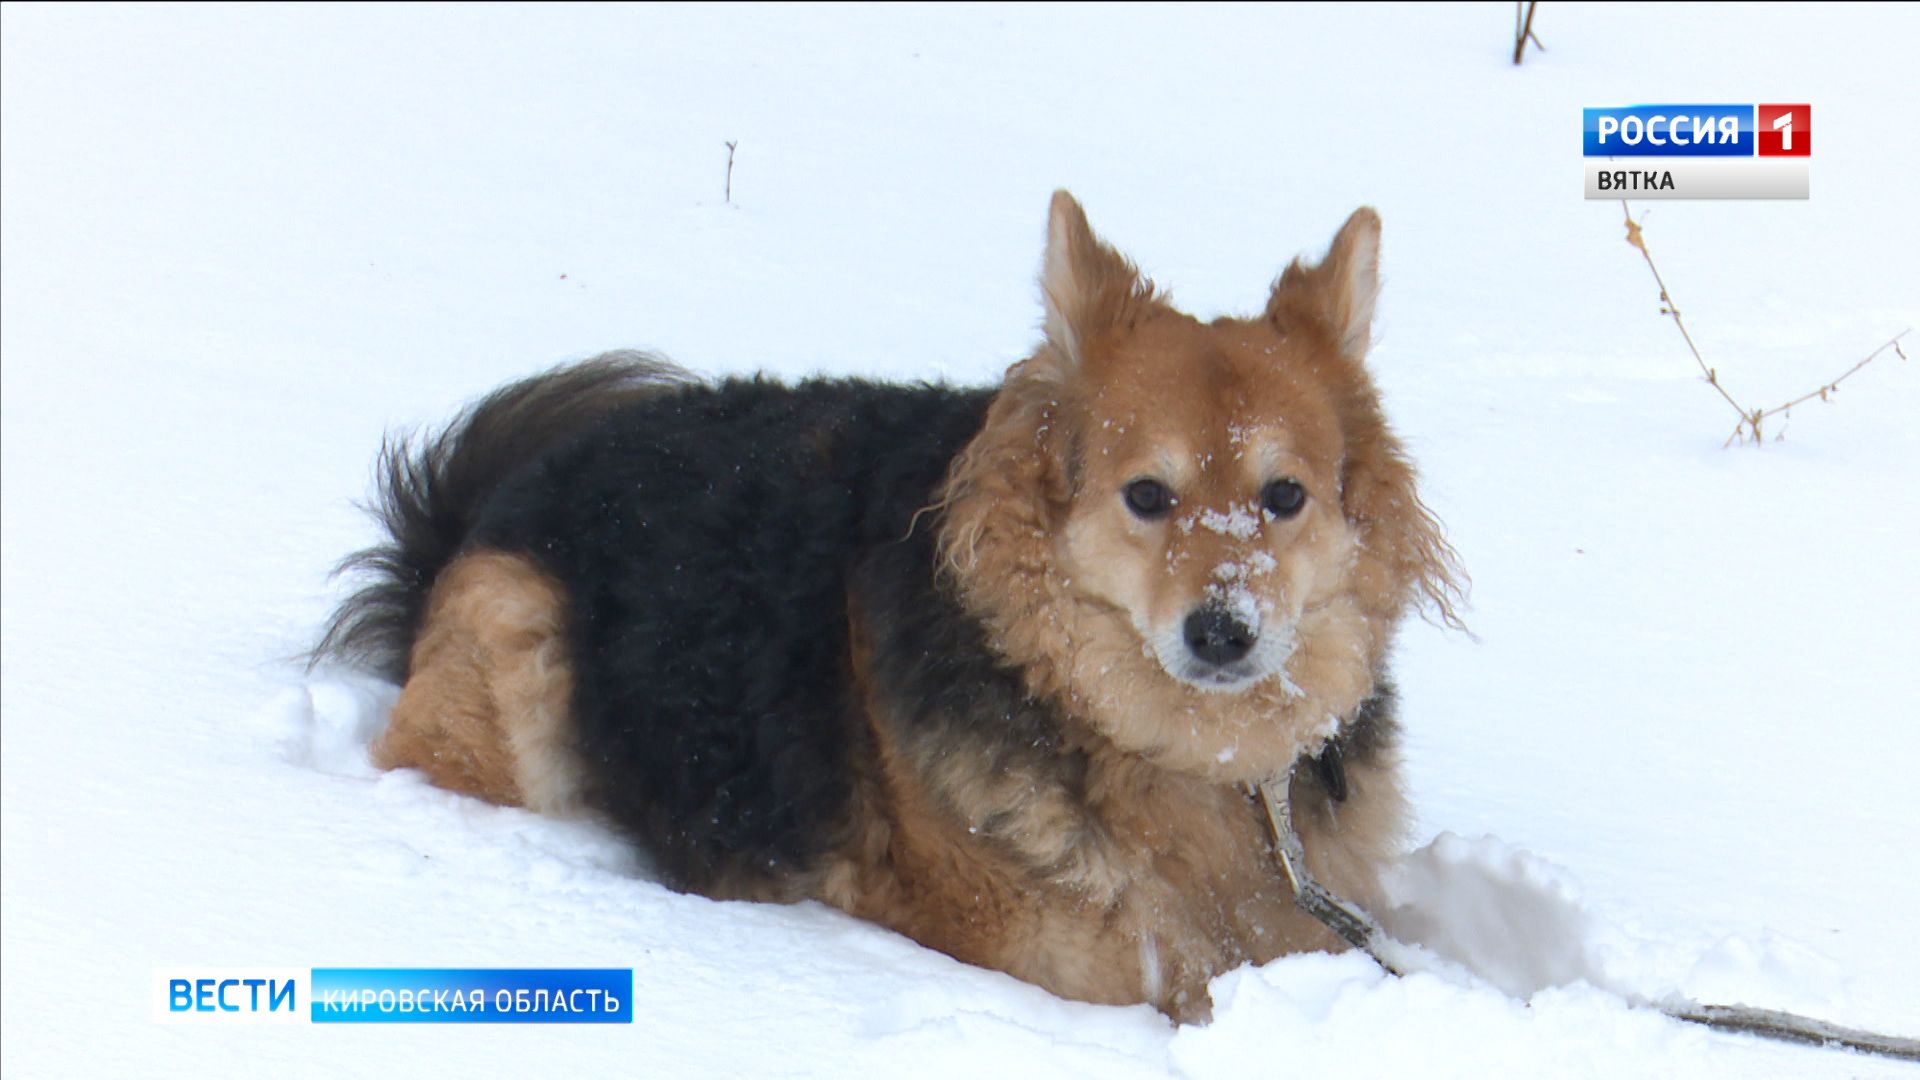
<point>707,538</point>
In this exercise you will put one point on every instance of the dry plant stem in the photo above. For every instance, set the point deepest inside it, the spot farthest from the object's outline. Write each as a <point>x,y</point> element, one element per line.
<point>1750,419</point>
<point>1787,1027</point>
<point>1670,308</point>
<point>1523,29</point>
<point>1359,930</point>
<point>730,148</point>
<point>1831,385</point>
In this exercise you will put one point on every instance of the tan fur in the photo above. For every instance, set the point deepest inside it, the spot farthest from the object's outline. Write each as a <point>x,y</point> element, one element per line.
<point>485,707</point>
<point>1145,890</point>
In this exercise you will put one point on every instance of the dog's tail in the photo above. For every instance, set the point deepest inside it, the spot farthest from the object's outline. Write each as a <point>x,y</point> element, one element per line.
<point>431,488</point>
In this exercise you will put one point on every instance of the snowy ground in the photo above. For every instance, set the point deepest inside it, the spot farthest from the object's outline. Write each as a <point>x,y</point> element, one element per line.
<point>241,242</point>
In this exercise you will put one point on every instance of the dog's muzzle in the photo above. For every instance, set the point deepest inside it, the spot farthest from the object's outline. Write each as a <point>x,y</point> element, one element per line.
<point>1222,646</point>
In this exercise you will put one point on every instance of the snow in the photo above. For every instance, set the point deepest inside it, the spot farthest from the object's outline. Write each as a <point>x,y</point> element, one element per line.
<point>1239,522</point>
<point>1511,918</point>
<point>239,243</point>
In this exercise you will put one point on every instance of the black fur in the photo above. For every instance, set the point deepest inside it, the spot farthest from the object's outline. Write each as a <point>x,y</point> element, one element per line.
<point>1371,731</point>
<point>945,690</point>
<point>1332,767</point>
<point>706,540</point>
<point>429,494</point>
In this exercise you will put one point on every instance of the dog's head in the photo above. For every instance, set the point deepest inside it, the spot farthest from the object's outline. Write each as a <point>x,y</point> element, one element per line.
<point>1197,537</point>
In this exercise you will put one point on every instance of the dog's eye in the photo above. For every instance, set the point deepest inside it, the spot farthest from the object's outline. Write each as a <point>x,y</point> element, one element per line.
<point>1283,498</point>
<point>1148,498</point>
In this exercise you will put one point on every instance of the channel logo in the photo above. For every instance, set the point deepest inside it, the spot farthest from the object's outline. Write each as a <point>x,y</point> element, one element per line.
<point>223,995</point>
<point>1698,151</point>
<point>1785,130</point>
<point>393,995</point>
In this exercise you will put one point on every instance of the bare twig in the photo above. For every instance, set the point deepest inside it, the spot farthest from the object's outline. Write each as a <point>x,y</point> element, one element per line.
<point>1523,29</point>
<point>1826,389</point>
<point>1359,930</point>
<point>1749,425</point>
<point>1668,307</point>
<point>1787,1027</point>
<point>731,145</point>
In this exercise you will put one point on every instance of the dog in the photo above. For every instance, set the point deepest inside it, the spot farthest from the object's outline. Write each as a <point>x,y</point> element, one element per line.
<point>995,668</point>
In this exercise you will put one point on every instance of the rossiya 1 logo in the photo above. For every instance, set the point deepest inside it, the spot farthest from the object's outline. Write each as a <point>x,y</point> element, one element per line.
<point>1698,151</point>
<point>1785,130</point>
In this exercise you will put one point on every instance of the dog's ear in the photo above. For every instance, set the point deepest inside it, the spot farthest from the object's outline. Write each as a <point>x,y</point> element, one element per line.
<point>1008,490</point>
<point>1086,285</point>
<point>1340,291</point>
<point>1006,493</point>
<point>1405,558</point>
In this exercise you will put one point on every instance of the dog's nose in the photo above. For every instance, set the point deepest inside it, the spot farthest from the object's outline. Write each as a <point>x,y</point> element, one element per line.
<point>1215,635</point>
